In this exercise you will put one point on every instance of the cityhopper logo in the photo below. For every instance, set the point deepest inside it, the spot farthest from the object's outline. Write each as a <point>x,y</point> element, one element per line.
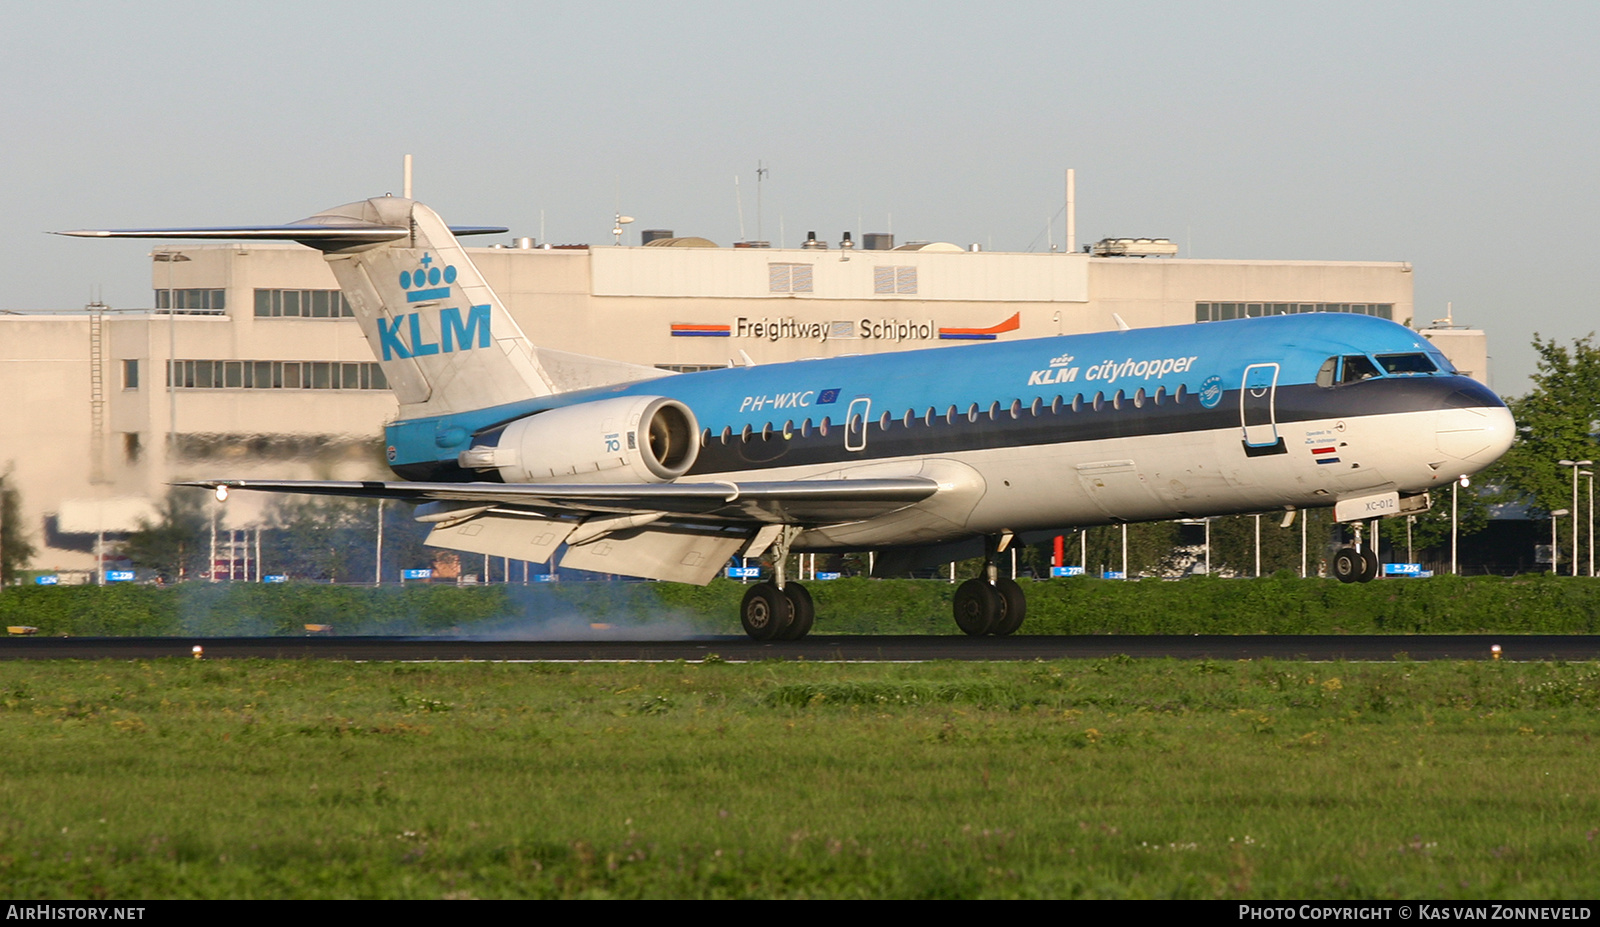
<point>403,336</point>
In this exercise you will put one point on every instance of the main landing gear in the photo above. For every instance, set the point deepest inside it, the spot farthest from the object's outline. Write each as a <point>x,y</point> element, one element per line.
<point>780,610</point>
<point>1356,564</point>
<point>991,603</point>
<point>773,613</point>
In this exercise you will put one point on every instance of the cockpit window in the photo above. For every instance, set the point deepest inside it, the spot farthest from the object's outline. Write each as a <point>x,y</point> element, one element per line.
<point>1407,365</point>
<point>1330,369</point>
<point>1357,367</point>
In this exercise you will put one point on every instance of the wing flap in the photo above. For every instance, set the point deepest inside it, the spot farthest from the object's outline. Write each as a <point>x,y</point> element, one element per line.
<point>671,553</point>
<point>517,537</point>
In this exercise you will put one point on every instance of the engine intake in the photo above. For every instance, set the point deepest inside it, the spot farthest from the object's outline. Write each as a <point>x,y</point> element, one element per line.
<point>631,439</point>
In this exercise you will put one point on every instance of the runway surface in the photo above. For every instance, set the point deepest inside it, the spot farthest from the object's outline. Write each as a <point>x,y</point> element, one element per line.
<point>819,648</point>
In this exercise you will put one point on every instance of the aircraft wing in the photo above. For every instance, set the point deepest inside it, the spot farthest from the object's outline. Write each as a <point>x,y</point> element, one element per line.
<point>795,502</point>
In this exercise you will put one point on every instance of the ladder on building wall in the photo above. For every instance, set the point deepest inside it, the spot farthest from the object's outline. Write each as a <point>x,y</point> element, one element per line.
<point>97,392</point>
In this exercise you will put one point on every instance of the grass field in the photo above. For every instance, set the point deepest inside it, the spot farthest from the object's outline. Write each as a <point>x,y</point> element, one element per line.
<point>1076,779</point>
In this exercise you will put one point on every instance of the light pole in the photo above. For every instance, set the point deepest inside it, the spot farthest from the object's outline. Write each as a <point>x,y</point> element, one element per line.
<point>1590,475</point>
<point>169,258</point>
<point>1258,546</point>
<point>1555,554</point>
<point>1575,464</point>
<point>1461,483</point>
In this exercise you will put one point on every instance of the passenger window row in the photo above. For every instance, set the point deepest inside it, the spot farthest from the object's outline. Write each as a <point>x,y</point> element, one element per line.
<point>952,414</point>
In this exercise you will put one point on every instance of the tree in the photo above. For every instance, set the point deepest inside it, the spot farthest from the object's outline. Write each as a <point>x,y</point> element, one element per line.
<point>320,538</point>
<point>335,540</point>
<point>177,546</point>
<point>1556,421</point>
<point>1431,530</point>
<point>15,550</point>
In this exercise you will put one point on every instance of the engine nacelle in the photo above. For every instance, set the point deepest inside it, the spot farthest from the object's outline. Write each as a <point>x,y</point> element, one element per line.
<point>631,439</point>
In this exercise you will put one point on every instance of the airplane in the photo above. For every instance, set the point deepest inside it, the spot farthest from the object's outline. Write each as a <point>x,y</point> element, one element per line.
<point>513,450</point>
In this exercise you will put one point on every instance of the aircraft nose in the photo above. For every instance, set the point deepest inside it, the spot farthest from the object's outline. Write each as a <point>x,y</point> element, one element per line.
<point>1472,438</point>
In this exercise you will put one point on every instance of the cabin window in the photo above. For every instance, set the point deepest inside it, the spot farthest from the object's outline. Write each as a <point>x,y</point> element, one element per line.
<point>910,416</point>
<point>745,434</point>
<point>972,412</point>
<point>1037,407</point>
<point>766,432</point>
<point>705,437</point>
<point>822,426</point>
<point>1161,393</point>
<point>1055,404</point>
<point>950,416</point>
<point>1138,398</point>
<point>727,433</point>
<point>994,410</point>
<point>1407,365</point>
<point>1016,408</point>
<point>927,417</point>
<point>883,422</point>
<point>1099,401</point>
<point>788,429</point>
<point>1077,403</point>
<point>1116,401</point>
<point>1178,394</point>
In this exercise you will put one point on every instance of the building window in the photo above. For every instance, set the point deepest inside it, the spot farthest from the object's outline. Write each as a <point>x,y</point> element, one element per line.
<point>894,280</point>
<point>232,374</point>
<point>789,278</point>
<point>1218,312</point>
<point>302,304</point>
<point>209,302</point>
<point>130,374</point>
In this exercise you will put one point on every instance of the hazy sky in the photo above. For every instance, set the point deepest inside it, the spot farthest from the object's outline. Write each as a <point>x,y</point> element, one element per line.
<point>1458,136</point>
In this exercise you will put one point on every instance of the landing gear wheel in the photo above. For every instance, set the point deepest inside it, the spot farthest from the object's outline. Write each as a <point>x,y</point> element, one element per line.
<point>1348,565</point>
<point>978,607</point>
<point>1369,566</point>
<point>1016,607</point>
<point>766,612</point>
<point>805,613</point>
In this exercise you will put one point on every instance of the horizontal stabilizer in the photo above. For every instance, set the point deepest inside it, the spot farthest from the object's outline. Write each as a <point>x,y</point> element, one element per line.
<point>797,502</point>
<point>316,233</point>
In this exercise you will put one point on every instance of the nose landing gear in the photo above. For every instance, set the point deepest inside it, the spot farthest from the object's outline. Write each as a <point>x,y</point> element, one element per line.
<point>1356,564</point>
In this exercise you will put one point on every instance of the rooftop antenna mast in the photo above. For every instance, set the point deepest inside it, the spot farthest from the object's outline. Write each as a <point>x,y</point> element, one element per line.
<point>738,202</point>
<point>761,174</point>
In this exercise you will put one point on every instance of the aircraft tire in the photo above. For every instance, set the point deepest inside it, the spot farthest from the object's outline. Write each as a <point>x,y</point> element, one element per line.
<point>1348,565</point>
<point>978,607</point>
<point>1016,607</point>
<point>766,612</point>
<point>805,612</point>
<point>1370,566</point>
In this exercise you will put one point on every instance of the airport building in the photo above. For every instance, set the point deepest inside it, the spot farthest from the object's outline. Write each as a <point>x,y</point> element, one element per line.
<point>248,364</point>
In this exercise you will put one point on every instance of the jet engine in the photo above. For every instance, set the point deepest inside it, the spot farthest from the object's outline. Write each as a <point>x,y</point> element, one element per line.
<point>630,439</point>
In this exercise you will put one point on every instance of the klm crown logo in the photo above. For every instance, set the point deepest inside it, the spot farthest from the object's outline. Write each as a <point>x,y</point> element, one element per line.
<point>422,284</point>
